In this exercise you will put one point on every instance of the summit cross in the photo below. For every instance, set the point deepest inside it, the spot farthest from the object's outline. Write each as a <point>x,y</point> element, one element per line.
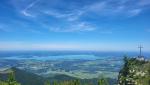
<point>140,47</point>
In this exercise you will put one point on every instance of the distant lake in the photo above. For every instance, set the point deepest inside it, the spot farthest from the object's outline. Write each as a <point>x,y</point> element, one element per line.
<point>55,55</point>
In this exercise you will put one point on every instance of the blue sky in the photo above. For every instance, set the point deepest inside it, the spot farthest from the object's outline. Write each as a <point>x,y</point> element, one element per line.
<point>105,25</point>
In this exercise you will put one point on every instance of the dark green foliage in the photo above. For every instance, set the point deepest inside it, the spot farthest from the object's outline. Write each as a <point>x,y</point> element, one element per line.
<point>47,82</point>
<point>27,78</point>
<point>60,77</point>
<point>103,81</point>
<point>134,72</point>
<point>125,70</point>
<point>11,77</point>
<point>55,83</point>
<point>11,80</point>
<point>149,75</point>
<point>77,82</point>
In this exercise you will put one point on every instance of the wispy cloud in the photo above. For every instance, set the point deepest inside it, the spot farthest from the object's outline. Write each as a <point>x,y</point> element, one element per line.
<point>25,10</point>
<point>34,31</point>
<point>4,28</point>
<point>110,8</point>
<point>74,16</point>
<point>144,2</point>
<point>25,13</point>
<point>97,7</point>
<point>78,27</point>
<point>19,26</point>
<point>148,30</point>
<point>70,16</point>
<point>134,12</point>
<point>102,8</point>
<point>107,7</point>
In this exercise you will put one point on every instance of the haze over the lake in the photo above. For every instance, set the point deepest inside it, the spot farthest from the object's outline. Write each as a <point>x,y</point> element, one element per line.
<point>103,25</point>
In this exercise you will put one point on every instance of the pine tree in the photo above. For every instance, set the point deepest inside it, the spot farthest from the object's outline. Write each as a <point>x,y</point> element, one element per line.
<point>47,82</point>
<point>103,81</point>
<point>11,79</point>
<point>55,83</point>
<point>77,82</point>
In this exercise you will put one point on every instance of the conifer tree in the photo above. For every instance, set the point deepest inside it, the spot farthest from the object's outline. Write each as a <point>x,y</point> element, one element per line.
<point>47,82</point>
<point>103,81</point>
<point>55,83</point>
<point>11,79</point>
<point>77,82</point>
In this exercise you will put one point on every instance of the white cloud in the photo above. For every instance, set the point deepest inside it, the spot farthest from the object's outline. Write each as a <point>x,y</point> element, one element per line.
<point>25,13</point>
<point>148,30</point>
<point>78,27</point>
<point>103,8</point>
<point>97,7</point>
<point>107,7</point>
<point>70,16</point>
<point>56,14</point>
<point>144,2</point>
<point>34,31</point>
<point>75,17</point>
<point>4,28</point>
<point>83,27</point>
<point>134,12</point>
<point>25,10</point>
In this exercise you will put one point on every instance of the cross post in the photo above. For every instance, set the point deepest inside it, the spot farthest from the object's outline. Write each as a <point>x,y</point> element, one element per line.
<point>140,47</point>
